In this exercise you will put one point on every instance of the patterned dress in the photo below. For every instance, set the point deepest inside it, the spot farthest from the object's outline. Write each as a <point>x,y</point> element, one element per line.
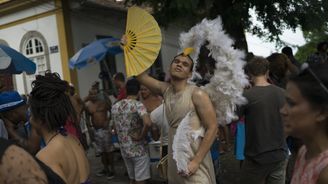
<point>177,105</point>
<point>308,171</point>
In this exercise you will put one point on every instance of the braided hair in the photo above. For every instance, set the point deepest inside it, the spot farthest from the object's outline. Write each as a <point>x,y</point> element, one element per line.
<point>49,101</point>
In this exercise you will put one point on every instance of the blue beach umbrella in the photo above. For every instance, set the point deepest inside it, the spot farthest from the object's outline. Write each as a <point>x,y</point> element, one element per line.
<point>14,62</point>
<point>95,52</point>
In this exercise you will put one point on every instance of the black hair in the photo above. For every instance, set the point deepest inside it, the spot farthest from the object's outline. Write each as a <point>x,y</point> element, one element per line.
<point>181,54</point>
<point>119,76</point>
<point>257,66</point>
<point>132,87</point>
<point>287,50</point>
<point>49,101</point>
<point>311,83</point>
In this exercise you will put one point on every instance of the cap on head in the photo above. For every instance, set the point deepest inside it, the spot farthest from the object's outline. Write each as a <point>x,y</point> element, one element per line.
<point>10,100</point>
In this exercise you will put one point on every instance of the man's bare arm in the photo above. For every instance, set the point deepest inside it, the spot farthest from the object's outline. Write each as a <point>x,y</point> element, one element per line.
<point>207,115</point>
<point>152,84</point>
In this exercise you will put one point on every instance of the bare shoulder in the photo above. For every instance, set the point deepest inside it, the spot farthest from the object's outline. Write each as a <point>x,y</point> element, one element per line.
<point>51,151</point>
<point>55,158</point>
<point>46,153</point>
<point>199,94</point>
<point>323,177</point>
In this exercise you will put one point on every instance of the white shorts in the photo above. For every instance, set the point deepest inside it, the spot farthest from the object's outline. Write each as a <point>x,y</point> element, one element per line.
<point>138,167</point>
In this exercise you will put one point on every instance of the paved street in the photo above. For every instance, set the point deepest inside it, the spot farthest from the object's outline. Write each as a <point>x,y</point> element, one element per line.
<point>120,176</point>
<point>230,172</point>
<point>96,166</point>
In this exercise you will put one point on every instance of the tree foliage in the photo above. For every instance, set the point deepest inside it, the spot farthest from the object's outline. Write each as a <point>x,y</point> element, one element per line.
<point>274,15</point>
<point>312,39</point>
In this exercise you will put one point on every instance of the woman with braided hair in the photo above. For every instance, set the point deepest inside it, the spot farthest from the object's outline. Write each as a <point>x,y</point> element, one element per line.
<point>50,108</point>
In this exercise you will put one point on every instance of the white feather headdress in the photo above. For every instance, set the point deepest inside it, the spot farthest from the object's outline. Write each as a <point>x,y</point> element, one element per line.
<point>226,86</point>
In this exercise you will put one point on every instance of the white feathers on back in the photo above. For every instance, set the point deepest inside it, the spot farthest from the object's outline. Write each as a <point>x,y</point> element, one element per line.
<point>182,152</point>
<point>226,86</point>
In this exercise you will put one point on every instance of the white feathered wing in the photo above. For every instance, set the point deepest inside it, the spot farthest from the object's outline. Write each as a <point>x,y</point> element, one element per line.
<point>226,86</point>
<point>181,144</point>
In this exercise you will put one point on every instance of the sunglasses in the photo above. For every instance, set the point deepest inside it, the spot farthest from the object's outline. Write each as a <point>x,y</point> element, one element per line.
<point>306,66</point>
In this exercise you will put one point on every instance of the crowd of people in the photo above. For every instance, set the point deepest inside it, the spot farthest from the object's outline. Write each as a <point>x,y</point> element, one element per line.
<point>45,136</point>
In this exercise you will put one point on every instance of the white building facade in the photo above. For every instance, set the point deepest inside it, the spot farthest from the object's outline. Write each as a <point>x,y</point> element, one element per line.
<point>49,32</point>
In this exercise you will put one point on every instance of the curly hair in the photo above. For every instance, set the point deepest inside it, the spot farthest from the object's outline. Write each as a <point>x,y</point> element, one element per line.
<point>49,101</point>
<point>257,66</point>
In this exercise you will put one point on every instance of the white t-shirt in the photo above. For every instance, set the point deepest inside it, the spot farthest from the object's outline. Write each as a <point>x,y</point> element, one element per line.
<point>158,117</point>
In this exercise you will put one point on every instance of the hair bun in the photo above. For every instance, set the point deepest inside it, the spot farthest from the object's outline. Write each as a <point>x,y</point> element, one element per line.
<point>48,86</point>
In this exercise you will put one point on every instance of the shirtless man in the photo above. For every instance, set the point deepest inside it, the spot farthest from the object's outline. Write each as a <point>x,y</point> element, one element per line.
<point>98,109</point>
<point>76,102</point>
<point>80,124</point>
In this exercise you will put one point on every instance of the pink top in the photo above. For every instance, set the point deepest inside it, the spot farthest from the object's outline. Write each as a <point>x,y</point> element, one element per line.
<point>71,128</point>
<point>308,171</point>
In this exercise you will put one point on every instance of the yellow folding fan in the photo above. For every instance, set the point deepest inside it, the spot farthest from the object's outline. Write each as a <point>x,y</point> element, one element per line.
<point>142,41</point>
